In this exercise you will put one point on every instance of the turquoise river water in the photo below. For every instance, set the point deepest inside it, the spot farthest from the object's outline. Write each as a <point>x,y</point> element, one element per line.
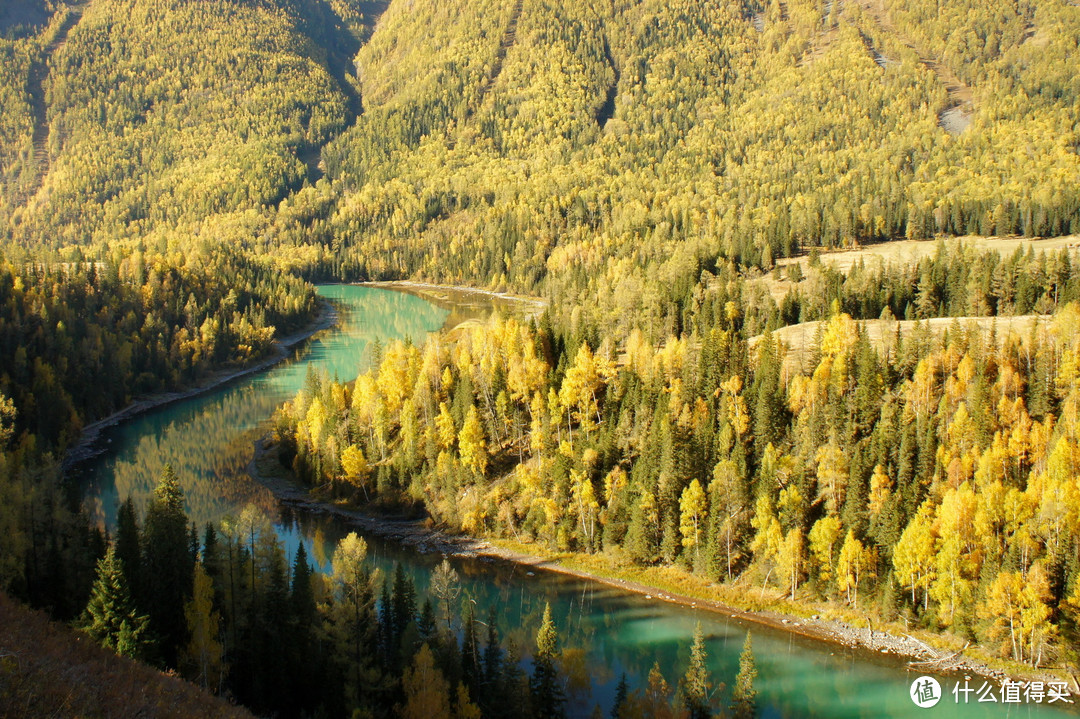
<point>605,632</point>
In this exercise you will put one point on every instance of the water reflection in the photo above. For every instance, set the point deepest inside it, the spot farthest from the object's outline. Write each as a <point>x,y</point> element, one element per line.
<point>208,439</point>
<point>605,632</point>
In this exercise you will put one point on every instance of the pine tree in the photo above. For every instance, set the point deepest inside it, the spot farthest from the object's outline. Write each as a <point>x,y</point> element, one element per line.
<point>305,671</point>
<point>127,547</point>
<point>695,683</point>
<point>621,694</point>
<point>302,597</point>
<point>547,692</point>
<point>403,601</point>
<point>110,616</point>
<point>744,697</point>
<point>470,654</point>
<point>493,653</point>
<point>167,565</point>
<point>427,626</point>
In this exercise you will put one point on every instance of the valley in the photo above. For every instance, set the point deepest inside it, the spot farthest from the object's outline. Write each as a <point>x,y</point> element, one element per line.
<point>772,305</point>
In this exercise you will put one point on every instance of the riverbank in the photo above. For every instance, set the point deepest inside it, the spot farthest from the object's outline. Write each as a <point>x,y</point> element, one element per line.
<point>465,304</point>
<point>88,444</point>
<point>923,652</point>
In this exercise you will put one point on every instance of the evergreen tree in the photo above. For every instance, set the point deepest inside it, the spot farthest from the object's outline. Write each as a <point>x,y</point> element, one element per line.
<point>304,671</point>
<point>493,655</point>
<point>621,694</point>
<point>427,626</point>
<point>403,602</point>
<point>110,616</point>
<point>695,683</point>
<point>301,596</point>
<point>548,696</point>
<point>127,547</point>
<point>470,654</point>
<point>167,566</point>
<point>744,697</point>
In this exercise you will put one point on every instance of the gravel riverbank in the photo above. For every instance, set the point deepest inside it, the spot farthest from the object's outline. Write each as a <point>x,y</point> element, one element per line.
<point>426,539</point>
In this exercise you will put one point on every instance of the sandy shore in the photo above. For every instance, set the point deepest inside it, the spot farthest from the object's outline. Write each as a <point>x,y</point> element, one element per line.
<point>425,539</point>
<point>465,303</point>
<point>419,287</point>
<point>88,446</point>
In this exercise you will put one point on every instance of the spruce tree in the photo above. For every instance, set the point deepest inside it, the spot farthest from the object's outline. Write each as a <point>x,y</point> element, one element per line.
<point>427,626</point>
<point>547,693</point>
<point>167,565</point>
<point>493,652</point>
<point>744,697</point>
<point>470,655</point>
<point>621,694</point>
<point>127,547</point>
<point>305,669</point>
<point>493,655</point>
<point>110,616</point>
<point>403,602</point>
<point>695,683</point>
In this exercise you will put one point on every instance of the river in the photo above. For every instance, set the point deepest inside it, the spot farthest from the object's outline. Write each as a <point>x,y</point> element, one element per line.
<point>605,632</point>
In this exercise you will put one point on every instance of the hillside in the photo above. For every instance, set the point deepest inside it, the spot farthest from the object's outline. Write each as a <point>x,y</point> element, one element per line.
<point>676,183</point>
<point>503,143</point>
<point>47,669</point>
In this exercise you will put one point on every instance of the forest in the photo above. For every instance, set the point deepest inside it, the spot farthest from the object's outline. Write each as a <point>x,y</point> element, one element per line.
<point>930,476</point>
<point>666,176</point>
<point>230,611</point>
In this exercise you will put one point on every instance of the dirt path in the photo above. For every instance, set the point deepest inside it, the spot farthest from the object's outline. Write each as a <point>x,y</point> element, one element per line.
<point>909,251</point>
<point>509,39</point>
<point>957,116</point>
<point>39,75</point>
<point>801,339</point>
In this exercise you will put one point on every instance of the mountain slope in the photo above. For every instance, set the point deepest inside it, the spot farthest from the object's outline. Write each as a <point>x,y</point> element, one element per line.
<point>49,670</point>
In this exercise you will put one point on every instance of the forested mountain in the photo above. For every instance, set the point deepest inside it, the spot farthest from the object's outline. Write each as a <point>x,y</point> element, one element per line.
<point>501,142</point>
<point>174,174</point>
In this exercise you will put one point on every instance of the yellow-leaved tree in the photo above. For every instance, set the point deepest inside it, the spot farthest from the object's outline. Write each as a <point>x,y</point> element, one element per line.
<point>204,653</point>
<point>427,693</point>
<point>356,467</point>
<point>472,443</point>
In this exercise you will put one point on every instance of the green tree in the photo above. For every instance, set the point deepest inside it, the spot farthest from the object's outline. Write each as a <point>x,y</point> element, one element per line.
<point>167,565</point>
<point>744,696</point>
<point>695,683</point>
<point>547,692</point>
<point>110,616</point>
